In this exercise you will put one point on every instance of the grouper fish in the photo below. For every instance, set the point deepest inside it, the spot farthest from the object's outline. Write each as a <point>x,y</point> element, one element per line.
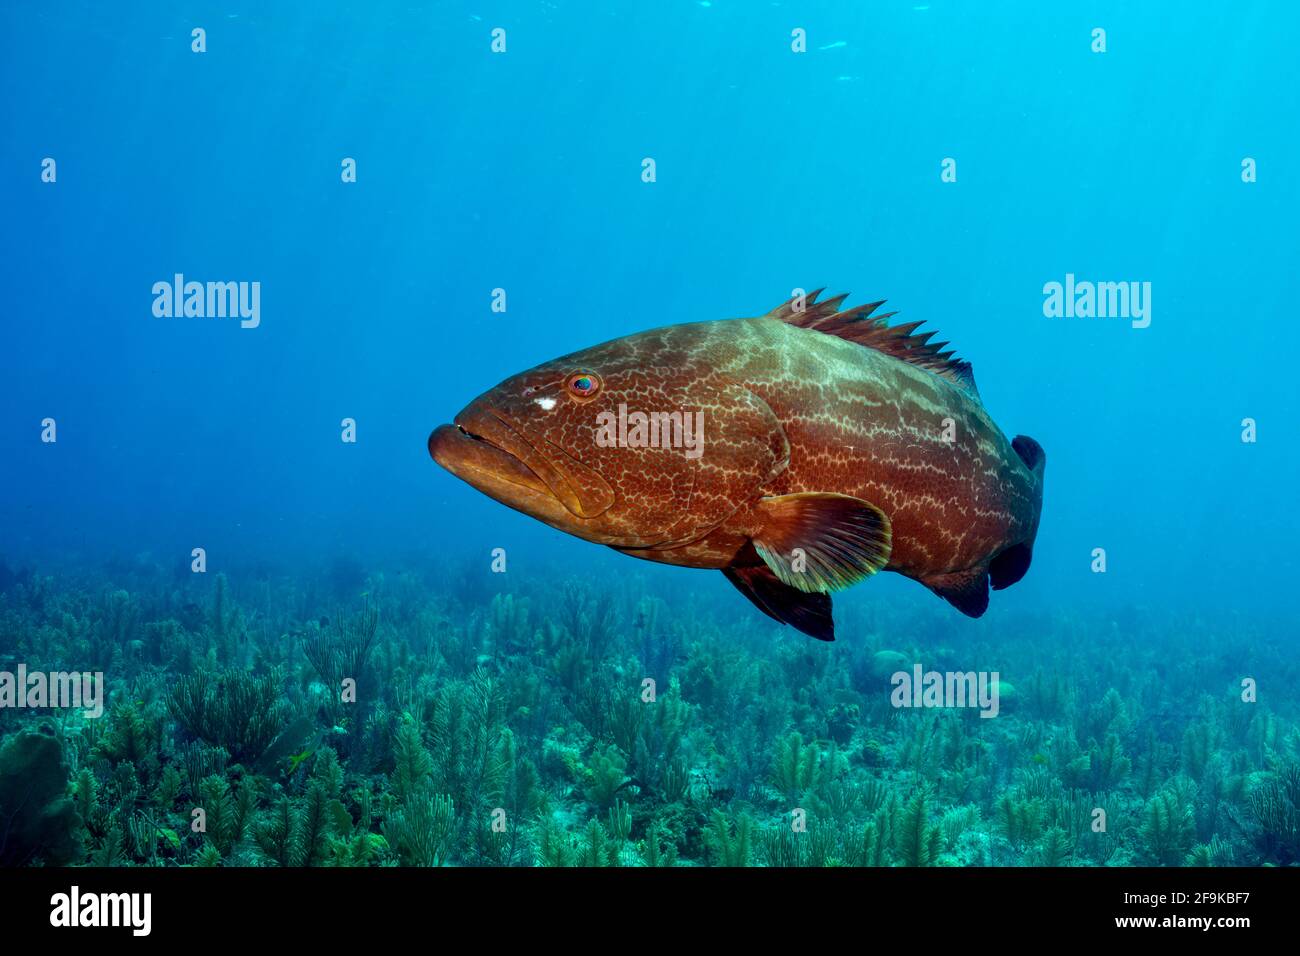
<point>798,453</point>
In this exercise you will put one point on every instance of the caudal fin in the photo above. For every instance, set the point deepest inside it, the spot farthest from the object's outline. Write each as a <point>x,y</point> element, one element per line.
<point>1031,453</point>
<point>1010,564</point>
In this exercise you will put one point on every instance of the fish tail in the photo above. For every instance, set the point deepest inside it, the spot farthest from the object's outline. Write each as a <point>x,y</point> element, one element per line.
<point>1031,453</point>
<point>1010,564</point>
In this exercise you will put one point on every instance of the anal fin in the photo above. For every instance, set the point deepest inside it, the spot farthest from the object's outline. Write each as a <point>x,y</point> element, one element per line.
<point>805,611</point>
<point>967,591</point>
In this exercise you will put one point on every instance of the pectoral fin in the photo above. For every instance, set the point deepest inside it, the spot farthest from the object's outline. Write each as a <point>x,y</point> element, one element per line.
<point>819,541</point>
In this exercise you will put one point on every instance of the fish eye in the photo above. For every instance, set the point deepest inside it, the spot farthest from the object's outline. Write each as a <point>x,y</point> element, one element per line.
<point>583,384</point>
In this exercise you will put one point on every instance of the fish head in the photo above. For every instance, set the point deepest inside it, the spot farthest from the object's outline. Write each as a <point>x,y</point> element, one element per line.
<point>637,443</point>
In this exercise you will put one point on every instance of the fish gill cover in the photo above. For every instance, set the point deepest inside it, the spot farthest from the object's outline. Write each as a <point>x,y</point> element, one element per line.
<point>254,256</point>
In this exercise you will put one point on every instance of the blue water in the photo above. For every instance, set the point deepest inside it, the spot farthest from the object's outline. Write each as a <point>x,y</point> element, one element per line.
<point>522,171</point>
<point>1160,694</point>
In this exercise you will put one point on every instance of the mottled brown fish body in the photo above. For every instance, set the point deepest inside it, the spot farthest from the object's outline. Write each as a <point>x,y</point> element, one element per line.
<point>919,447</point>
<point>832,446</point>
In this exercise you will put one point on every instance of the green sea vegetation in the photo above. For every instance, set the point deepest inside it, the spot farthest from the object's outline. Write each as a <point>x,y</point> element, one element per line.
<point>425,716</point>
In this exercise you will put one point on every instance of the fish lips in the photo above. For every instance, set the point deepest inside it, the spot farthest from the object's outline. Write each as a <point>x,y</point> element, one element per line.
<point>527,473</point>
<point>490,469</point>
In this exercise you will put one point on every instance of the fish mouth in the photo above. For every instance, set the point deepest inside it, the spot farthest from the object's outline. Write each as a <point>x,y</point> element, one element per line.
<point>526,472</point>
<point>475,459</point>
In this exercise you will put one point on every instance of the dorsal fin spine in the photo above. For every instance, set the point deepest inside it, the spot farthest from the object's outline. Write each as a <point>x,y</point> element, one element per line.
<point>859,326</point>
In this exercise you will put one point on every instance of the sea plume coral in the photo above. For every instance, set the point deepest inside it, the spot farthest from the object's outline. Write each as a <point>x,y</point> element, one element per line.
<point>231,709</point>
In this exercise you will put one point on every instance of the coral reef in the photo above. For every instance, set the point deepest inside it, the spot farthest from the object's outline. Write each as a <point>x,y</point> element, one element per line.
<point>416,717</point>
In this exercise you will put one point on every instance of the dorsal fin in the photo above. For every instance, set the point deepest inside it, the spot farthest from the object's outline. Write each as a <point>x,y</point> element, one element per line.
<point>858,325</point>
